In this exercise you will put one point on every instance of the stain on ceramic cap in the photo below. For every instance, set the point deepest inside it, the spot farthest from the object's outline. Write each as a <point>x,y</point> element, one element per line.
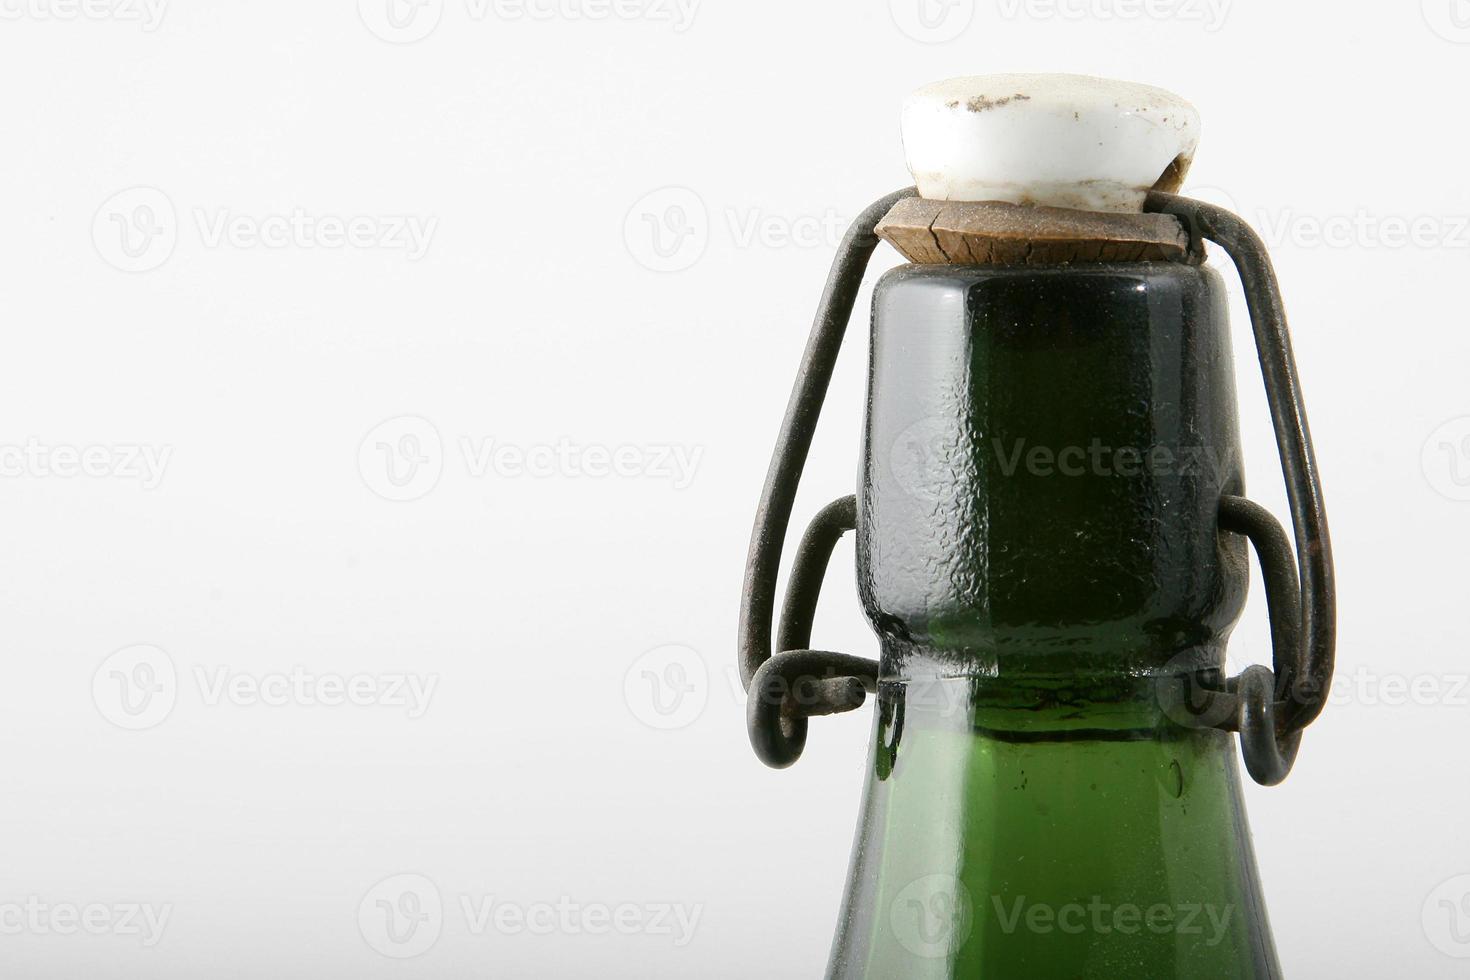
<point>1067,141</point>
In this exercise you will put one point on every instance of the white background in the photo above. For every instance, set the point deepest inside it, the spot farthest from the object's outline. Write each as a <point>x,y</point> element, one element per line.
<point>558,314</point>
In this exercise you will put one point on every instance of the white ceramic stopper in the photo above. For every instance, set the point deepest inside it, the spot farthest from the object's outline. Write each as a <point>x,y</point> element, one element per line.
<point>1067,141</point>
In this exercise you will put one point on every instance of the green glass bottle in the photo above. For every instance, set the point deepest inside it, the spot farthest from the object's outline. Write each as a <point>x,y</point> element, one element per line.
<point>1038,552</point>
<point>1052,549</point>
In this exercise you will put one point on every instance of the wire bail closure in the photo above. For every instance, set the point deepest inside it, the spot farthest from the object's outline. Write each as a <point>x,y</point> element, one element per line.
<point>1268,707</point>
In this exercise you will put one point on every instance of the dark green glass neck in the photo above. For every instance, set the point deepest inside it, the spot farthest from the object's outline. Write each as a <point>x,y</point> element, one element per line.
<point>1045,453</point>
<point>1038,552</point>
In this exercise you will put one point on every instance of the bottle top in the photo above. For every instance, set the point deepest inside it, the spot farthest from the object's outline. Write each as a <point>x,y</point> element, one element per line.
<point>1067,141</point>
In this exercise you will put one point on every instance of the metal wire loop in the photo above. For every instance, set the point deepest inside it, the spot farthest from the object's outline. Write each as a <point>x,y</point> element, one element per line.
<point>1258,692</point>
<point>1275,706</point>
<point>798,683</point>
<point>779,736</point>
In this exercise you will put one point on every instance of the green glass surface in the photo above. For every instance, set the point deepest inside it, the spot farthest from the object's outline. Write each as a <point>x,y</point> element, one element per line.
<point>1031,834</point>
<point>1041,805</point>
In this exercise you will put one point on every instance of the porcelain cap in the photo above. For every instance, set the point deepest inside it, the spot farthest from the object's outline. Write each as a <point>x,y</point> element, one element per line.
<point>1067,141</point>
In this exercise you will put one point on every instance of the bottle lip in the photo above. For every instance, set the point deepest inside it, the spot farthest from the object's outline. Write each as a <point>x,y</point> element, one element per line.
<point>1060,140</point>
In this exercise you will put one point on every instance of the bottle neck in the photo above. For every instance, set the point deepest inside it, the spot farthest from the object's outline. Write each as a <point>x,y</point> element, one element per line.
<point>1039,553</point>
<point>1045,453</point>
<point>1029,829</point>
